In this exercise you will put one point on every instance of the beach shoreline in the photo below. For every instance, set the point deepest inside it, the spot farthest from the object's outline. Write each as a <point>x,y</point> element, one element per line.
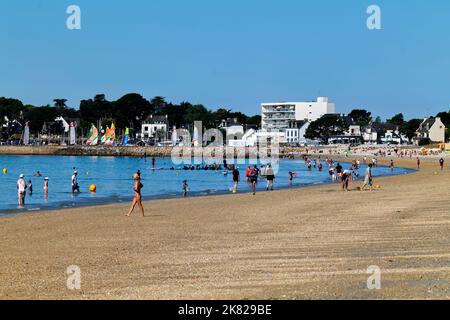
<point>314,243</point>
<point>198,194</point>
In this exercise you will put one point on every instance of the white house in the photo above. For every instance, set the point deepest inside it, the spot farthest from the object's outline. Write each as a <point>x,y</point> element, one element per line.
<point>369,135</point>
<point>392,137</point>
<point>296,133</point>
<point>154,124</point>
<point>277,116</point>
<point>431,128</point>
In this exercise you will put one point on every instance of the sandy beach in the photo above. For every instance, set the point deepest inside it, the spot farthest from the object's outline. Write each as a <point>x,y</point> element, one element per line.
<point>309,243</point>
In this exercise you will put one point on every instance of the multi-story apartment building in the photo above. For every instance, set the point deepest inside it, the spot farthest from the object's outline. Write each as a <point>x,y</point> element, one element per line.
<point>277,116</point>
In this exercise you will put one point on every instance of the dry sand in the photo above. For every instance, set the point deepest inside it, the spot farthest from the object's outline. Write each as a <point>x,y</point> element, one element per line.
<point>311,243</point>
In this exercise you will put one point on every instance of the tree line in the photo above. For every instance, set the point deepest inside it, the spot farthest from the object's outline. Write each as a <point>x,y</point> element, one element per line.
<point>128,111</point>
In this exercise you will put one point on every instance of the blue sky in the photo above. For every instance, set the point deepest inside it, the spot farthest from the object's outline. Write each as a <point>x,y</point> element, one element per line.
<point>232,53</point>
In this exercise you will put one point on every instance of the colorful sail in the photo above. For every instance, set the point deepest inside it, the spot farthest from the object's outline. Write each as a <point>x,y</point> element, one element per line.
<point>92,136</point>
<point>105,137</point>
<point>126,137</point>
<point>111,136</point>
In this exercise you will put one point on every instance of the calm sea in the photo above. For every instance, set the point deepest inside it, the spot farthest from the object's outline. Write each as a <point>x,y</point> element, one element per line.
<point>112,176</point>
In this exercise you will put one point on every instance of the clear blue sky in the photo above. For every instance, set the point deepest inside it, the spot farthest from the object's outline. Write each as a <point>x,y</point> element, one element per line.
<point>233,53</point>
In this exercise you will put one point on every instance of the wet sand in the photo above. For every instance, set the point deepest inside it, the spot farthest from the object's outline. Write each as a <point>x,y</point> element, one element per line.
<point>311,243</point>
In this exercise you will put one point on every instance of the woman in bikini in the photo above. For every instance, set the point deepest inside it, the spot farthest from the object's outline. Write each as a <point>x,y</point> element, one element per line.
<point>137,200</point>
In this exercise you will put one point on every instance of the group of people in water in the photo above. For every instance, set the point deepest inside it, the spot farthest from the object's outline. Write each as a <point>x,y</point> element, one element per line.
<point>24,187</point>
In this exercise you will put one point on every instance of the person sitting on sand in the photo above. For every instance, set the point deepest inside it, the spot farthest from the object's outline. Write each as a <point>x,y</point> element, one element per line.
<point>137,199</point>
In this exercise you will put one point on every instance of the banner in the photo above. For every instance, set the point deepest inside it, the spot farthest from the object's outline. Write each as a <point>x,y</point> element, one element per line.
<point>72,134</point>
<point>26,135</point>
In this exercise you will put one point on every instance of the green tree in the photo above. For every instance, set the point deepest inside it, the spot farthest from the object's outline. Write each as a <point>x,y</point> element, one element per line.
<point>397,120</point>
<point>361,117</point>
<point>60,103</point>
<point>410,128</point>
<point>326,127</point>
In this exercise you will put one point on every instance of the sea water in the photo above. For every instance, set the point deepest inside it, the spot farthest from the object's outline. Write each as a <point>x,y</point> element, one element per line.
<point>113,179</point>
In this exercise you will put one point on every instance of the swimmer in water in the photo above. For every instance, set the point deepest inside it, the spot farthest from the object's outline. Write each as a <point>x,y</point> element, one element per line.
<point>185,188</point>
<point>30,187</point>
<point>46,185</point>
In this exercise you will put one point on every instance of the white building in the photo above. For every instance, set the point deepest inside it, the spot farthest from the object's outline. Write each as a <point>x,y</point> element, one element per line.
<point>296,133</point>
<point>431,128</point>
<point>369,135</point>
<point>277,116</point>
<point>154,124</point>
<point>392,137</point>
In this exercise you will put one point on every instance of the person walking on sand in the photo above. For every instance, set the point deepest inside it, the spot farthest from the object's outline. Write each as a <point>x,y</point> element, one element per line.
<point>137,199</point>
<point>21,187</point>
<point>368,178</point>
<point>236,178</point>
<point>391,165</point>
<point>418,163</point>
<point>441,163</point>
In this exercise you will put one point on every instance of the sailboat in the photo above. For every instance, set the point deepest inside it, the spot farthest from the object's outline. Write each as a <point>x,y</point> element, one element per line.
<point>92,136</point>
<point>105,137</point>
<point>126,137</point>
<point>111,135</point>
